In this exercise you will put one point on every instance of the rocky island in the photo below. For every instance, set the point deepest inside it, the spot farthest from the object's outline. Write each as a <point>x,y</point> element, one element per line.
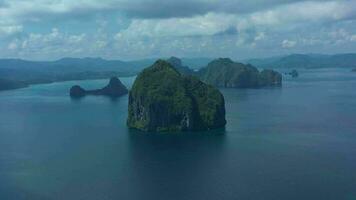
<point>224,72</point>
<point>114,89</point>
<point>177,64</point>
<point>163,99</point>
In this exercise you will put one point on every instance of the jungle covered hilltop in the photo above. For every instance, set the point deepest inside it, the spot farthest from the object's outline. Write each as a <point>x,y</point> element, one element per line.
<point>162,99</point>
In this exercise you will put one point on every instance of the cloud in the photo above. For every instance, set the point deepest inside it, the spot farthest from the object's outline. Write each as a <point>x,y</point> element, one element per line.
<point>288,43</point>
<point>33,10</point>
<point>341,36</point>
<point>152,28</point>
<point>54,42</point>
<point>12,46</point>
<point>221,23</point>
<point>9,30</point>
<point>19,10</point>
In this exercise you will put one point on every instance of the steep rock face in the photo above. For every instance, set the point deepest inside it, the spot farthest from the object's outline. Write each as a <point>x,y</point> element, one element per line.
<point>177,64</point>
<point>114,89</point>
<point>223,72</point>
<point>162,99</point>
<point>270,78</point>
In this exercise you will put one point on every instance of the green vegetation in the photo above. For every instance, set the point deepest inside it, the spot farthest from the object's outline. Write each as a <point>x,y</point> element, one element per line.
<point>162,99</point>
<point>223,72</point>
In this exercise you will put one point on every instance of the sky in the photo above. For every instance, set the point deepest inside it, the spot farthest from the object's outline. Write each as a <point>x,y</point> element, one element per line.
<point>136,29</point>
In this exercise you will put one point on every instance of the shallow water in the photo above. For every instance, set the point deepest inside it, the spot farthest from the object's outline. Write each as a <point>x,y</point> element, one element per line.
<point>294,142</point>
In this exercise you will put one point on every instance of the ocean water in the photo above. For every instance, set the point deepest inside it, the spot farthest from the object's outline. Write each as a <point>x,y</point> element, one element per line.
<point>295,142</point>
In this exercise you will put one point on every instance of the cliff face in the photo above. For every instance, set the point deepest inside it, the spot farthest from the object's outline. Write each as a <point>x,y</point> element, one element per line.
<point>162,99</point>
<point>270,78</point>
<point>114,89</point>
<point>224,72</point>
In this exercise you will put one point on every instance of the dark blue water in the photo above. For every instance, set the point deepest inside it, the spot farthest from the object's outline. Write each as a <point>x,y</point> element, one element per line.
<point>295,142</point>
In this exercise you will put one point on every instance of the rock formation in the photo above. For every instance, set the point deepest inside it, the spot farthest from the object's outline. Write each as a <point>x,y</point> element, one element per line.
<point>177,63</point>
<point>223,72</point>
<point>114,89</point>
<point>162,99</point>
<point>269,77</point>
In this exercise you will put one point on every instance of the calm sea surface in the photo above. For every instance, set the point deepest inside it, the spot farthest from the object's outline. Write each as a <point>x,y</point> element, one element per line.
<point>290,143</point>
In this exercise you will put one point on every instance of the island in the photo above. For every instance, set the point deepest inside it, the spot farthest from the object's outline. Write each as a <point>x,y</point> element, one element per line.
<point>224,72</point>
<point>294,73</point>
<point>353,70</point>
<point>10,84</point>
<point>114,89</point>
<point>177,63</point>
<point>163,99</point>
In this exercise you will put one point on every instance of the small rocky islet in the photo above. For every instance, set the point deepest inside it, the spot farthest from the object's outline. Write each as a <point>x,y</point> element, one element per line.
<point>114,89</point>
<point>163,99</point>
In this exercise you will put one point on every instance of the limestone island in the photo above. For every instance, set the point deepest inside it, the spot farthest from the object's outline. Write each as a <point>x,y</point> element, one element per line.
<point>114,89</point>
<point>163,99</point>
<point>177,64</point>
<point>224,72</point>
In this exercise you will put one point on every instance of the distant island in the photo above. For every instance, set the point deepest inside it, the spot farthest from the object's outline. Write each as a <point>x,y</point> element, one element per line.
<point>224,72</point>
<point>114,89</point>
<point>294,73</point>
<point>353,70</point>
<point>177,63</point>
<point>10,85</point>
<point>163,99</point>
<point>23,72</point>
<point>67,69</point>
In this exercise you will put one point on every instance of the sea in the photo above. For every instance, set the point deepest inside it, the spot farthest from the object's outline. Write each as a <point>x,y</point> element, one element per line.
<point>296,142</point>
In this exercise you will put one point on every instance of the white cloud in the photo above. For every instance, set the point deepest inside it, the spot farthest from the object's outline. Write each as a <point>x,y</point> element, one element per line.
<point>54,42</point>
<point>353,38</point>
<point>12,46</point>
<point>164,27</point>
<point>288,43</point>
<point>342,36</point>
<point>209,24</point>
<point>212,23</point>
<point>9,30</point>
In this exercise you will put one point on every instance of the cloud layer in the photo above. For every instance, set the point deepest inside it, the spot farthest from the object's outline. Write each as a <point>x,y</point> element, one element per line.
<point>127,29</point>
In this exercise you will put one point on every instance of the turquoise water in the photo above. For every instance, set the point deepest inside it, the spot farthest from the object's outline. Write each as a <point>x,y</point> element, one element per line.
<point>295,142</point>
